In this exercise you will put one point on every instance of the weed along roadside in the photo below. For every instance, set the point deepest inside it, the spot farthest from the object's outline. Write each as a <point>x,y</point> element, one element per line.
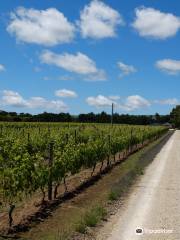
<point>81,215</point>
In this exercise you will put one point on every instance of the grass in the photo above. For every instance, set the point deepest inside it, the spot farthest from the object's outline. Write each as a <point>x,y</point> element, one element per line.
<point>81,227</point>
<point>132,170</point>
<point>91,218</point>
<point>113,195</point>
<point>139,171</point>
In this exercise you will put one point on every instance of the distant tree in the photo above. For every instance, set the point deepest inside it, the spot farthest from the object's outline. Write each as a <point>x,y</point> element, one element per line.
<point>14,114</point>
<point>157,117</point>
<point>91,117</point>
<point>63,117</point>
<point>3,113</point>
<point>103,117</point>
<point>175,116</point>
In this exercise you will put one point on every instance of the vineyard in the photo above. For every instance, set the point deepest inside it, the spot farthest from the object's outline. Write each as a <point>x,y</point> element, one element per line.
<point>41,156</point>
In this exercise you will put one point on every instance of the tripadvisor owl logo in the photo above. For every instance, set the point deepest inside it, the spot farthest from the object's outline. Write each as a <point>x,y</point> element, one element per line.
<point>139,231</point>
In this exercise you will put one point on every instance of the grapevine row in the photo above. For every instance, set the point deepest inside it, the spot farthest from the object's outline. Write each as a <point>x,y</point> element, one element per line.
<point>35,156</point>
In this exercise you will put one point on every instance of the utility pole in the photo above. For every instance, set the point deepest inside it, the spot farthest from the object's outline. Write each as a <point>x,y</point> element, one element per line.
<point>112,113</point>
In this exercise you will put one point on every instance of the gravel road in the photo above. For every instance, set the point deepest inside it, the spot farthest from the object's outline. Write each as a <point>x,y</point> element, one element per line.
<point>153,205</point>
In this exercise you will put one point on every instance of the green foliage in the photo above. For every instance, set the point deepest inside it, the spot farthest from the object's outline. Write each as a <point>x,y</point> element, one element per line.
<point>175,116</point>
<point>113,195</point>
<point>24,153</point>
<point>81,227</point>
<point>139,171</point>
<point>91,218</point>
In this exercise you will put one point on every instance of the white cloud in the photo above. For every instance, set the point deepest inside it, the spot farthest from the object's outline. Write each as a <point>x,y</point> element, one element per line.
<point>14,99</point>
<point>42,103</point>
<point>128,104</point>
<point>153,23</point>
<point>135,102</point>
<point>98,20</point>
<point>2,68</point>
<point>78,63</point>
<point>169,101</point>
<point>126,69</point>
<point>65,93</point>
<point>100,75</point>
<point>168,65</point>
<point>99,101</point>
<point>47,27</point>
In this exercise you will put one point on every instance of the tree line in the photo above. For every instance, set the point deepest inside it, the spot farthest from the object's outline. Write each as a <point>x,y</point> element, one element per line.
<point>175,116</point>
<point>102,117</point>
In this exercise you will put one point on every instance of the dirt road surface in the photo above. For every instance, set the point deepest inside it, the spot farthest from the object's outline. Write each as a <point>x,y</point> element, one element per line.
<point>153,205</point>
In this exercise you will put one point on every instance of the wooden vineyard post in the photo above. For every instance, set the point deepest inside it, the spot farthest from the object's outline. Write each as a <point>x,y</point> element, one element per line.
<point>131,141</point>
<point>28,137</point>
<point>51,145</point>
<point>11,208</point>
<point>142,144</point>
<point>67,138</point>
<point>109,143</point>
<point>1,129</point>
<point>75,135</point>
<point>112,113</point>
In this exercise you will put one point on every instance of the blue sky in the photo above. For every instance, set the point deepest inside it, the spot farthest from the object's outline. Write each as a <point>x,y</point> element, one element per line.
<point>80,56</point>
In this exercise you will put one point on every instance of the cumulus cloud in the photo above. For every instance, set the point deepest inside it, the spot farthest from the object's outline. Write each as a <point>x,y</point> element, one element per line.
<point>128,104</point>
<point>47,27</point>
<point>169,66</point>
<point>99,101</point>
<point>42,103</point>
<point>100,75</point>
<point>126,69</point>
<point>2,68</point>
<point>14,99</point>
<point>78,63</point>
<point>98,20</point>
<point>65,93</point>
<point>134,102</point>
<point>153,23</point>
